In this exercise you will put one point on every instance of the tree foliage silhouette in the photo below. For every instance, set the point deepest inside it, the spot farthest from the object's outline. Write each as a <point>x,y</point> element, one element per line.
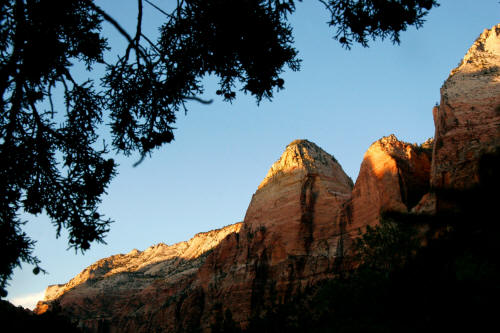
<point>51,159</point>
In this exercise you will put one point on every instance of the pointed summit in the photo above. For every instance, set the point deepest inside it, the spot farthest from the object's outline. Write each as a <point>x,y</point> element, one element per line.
<point>468,115</point>
<point>303,174</point>
<point>394,175</point>
<point>303,156</point>
<point>477,76</point>
<point>483,54</point>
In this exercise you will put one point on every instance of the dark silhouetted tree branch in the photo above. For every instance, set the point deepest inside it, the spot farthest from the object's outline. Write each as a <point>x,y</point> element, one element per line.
<point>50,158</point>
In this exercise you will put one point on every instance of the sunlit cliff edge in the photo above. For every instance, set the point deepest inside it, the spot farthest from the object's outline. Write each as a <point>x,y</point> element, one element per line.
<point>467,120</point>
<point>300,222</point>
<point>137,269</point>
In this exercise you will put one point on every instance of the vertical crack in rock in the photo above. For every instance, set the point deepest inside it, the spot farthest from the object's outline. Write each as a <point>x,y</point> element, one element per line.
<point>307,201</point>
<point>261,269</point>
<point>345,218</point>
<point>403,188</point>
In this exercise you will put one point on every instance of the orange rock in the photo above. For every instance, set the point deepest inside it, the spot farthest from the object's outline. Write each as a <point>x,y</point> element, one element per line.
<point>427,205</point>
<point>298,198</point>
<point>41,307</point>
<point>295,233</point>
<point>394,176</point>
<point>120,291</point>
<point>290,237</point>
<point>468,118</point>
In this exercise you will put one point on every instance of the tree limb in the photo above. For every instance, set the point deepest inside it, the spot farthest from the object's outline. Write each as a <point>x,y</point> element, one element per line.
<point>159,9</point>
<point>122,31</point>
<point>197,99</point>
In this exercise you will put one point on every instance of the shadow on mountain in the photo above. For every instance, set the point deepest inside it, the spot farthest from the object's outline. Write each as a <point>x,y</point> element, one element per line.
<point>113,292</point>
<point>417,273</point>
<point>19,319</point>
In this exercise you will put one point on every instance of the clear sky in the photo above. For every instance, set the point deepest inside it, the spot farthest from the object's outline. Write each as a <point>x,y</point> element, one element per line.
<point>341,100</point>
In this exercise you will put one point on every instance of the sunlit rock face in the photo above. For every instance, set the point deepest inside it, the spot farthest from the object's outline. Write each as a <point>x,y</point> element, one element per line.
<point>120,293</point>
<point>468,118</point>
<point>299,199</point>
<point>394,175</point>
<point>297,230</point>
<point>291,237</point>
<point>299,225</point>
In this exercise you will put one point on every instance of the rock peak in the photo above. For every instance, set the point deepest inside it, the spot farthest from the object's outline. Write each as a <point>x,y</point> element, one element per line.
<point>479,68</point>
<point>467,118</point>
<point>482,54</point>
<point>300,156</point>
<point>394,176</point>
<point>388,141</point>
<point>301,142</point>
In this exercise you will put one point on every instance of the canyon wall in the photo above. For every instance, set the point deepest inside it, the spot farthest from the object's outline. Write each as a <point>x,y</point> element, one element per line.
<point>468,118</point>
<point>291,237</point>
<point>300,223</point>
<point>297,230</point>
<point>394,175</point>
<point>120,292</point>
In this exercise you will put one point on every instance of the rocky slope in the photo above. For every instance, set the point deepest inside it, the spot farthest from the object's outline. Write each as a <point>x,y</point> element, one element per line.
<point>468,118</point>
<point>296,231</point>
<point>103,291</point>
<point>299,225</point>
<point>300,200</point>
<point>290,238</point>
<point>394,175</point>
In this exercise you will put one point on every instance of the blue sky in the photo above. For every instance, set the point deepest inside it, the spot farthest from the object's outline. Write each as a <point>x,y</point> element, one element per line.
<point>341,100</point>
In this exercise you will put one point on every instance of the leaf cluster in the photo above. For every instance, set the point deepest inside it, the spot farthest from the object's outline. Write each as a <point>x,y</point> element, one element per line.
<point>358,20</point>
<point>49,167</point>
<point>51,158</point>
<point>247,43</point>
<point>386,247</point>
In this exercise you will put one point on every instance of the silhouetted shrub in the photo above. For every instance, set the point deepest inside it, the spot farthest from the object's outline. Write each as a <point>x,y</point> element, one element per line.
<point>18,319</point>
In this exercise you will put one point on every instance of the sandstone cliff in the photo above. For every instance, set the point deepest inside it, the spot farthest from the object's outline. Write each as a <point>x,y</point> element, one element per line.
<point>468,118</point>
<point>394,175</point>
<point>297,229</point>
<point>299,225</point>
<point>291,236</point>
<point>108,289</point>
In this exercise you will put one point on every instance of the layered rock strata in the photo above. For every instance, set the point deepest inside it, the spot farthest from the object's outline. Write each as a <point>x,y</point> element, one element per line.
<point>297,229</point>
<point>105,295</point>
<point>299,224</point>
<point>468,118</point>
<point>291,238</point>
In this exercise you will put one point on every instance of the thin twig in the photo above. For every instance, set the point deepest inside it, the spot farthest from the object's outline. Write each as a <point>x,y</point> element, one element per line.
<point>49,93</point>
<point>143,156</point>
<point>159,9</point>
<point>197,99</point>
<point>151,43</point>
<point>138,33</point>
<point>139,22</point>
<point>120,30</point>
